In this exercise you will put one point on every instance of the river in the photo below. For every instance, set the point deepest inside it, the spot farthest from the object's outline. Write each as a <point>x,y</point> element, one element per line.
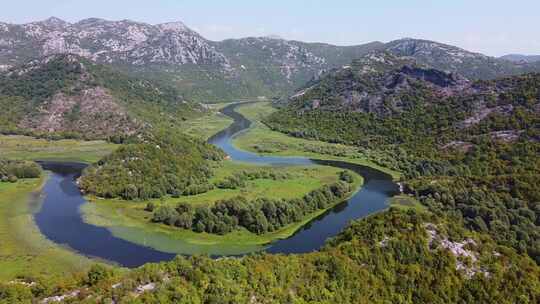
<point>60,220</point>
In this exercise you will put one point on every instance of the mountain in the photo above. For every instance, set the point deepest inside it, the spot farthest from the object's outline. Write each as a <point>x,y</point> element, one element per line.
<point>69,96</point>
<point>381,86</point>
<point>453,59</point>
<point>465,147</point>
<point>173,53</point>
<point>119,42</point>
<point>521,58</point>
<point>283,65</point>
<point>378,83</point>
<point>205,70</point>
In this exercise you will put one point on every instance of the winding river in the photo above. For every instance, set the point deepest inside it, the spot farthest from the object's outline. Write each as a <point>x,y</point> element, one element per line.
<point>60,220</point>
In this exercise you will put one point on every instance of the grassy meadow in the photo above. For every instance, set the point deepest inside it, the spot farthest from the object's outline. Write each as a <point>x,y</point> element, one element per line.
<point>129,220</point>
<point>30,148</point>
<point>205,126</point>
<point>260,139</point>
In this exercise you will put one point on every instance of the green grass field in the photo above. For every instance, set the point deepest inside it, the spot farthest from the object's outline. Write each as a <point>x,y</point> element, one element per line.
<point>206,126</point>
<point>29,148</point>
<point>24,251</point>
<point>129,220</point>
<point>406,202</point>
<point>260,139</point>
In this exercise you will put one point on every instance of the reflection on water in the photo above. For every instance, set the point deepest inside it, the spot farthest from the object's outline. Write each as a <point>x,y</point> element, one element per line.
<point>60,220</point>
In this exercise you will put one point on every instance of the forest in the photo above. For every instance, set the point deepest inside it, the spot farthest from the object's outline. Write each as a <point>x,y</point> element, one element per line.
<point>258,216</point>
<point>485,173</point>
<point>391,257</point>
<point>151,165</point>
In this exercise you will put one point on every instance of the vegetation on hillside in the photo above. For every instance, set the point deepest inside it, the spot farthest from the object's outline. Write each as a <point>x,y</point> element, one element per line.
<point>394,257</point>
<point>65,96</point>
<point>151,165</point>
<point>473,155</point>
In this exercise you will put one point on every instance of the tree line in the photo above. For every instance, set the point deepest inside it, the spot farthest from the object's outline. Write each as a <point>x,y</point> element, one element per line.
<point>12,170</point>
<point>257,216</point>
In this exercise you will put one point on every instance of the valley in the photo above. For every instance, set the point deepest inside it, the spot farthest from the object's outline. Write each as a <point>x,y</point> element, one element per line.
<point>130,221</point>
<point>146,163</point>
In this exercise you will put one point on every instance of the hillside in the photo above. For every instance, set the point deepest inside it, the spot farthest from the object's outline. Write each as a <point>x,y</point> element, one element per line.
<point>393,257</point>
<point>466,147</point>
<point>454,59</point>
<point>68,96</point>
<point>205,70</point>
<point>521,58</point>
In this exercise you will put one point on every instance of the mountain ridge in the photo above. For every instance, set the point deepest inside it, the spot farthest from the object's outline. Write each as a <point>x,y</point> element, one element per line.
<point>69,95</point>
<point>520,58</point>
<point>206,70</point>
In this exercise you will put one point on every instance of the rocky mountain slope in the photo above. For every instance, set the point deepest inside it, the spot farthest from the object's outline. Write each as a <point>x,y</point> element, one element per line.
<point>453,59</point>
<point>120,42</point>
<point>385,85</point>
<point>521,58</point>
<point>379,83</point>
<point>68,96</point>
<point>230,69</point>
<point>466,148</point>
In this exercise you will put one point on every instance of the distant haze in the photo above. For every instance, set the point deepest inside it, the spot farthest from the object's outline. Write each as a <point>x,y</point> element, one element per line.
<point>490,27</point>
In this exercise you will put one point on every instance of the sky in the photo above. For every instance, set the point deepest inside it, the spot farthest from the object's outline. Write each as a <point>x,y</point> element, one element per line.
<point>493,27</point>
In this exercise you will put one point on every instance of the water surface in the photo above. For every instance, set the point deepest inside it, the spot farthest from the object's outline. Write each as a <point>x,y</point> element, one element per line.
<point>60,220</point>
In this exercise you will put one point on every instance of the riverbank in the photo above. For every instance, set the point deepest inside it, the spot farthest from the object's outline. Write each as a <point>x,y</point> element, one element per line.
<point>29,148</point>
<point>134,247</point>
<point>24,251</point>
<point>261,140</point>
<point>207,125</point>
<point>128,220</point>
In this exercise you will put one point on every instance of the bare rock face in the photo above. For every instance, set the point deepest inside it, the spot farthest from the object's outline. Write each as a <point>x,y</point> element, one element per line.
<point>123,42</point>
<point>92,112</point>
<point>379,83</point>
<point>67,94</point>
<point>453,59</point>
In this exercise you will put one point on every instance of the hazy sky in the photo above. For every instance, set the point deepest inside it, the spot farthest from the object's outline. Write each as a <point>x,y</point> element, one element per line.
<point>493,27</point>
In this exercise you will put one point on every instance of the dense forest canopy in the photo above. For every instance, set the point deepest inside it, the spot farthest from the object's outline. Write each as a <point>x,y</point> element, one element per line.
<point>151,165</point>
<point>391,257</point>
<point>469,149</point>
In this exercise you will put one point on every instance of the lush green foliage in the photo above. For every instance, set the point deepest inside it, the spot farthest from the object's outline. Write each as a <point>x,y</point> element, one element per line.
<point>386,258</point>
<point>11,170</point>
<point>150,166</point>
<point>238,180</point>
<point>258,216</point>
<point>24,91</point>
<point>485,172</point>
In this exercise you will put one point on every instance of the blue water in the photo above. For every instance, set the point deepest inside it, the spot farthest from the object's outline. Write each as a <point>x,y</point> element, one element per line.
<point>59,218</point>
